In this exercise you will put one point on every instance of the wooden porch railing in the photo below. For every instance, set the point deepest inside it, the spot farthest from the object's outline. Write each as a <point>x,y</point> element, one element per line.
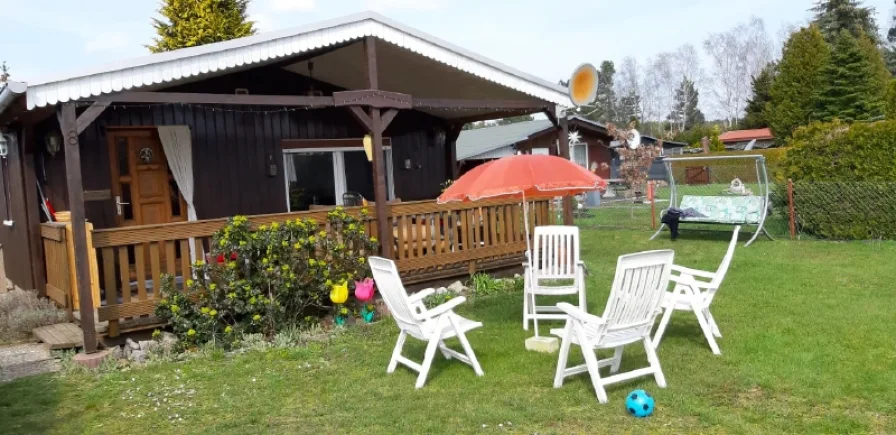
<point>431,241</point>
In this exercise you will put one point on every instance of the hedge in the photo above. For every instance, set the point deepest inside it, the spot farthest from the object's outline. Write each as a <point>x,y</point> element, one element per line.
<point>837,151</point>
<point>846,210</point>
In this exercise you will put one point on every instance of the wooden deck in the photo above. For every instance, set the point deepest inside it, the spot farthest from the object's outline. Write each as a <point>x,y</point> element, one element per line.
<point>60,336</point>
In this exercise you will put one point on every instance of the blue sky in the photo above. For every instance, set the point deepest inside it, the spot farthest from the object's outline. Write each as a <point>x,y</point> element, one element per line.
<point>47,37</point>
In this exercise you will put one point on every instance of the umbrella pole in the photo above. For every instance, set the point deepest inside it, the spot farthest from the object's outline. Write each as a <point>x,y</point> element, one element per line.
<point>529,257</point>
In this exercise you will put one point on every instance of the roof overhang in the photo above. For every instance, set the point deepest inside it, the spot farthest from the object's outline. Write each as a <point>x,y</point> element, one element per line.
<point>410,62</point>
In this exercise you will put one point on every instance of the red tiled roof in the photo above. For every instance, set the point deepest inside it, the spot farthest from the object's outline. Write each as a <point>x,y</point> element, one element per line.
<point>745,135</point>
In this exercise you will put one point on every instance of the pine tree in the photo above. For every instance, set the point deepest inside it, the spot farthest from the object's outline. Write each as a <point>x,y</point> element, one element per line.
<point>189,23</point>
<point>605,102</point>
<point>851,90</point>
<point>800,75</point>
<point>834,16</point>
<point>755,111</point>
<point>629,108</point>
<point>685,113</point>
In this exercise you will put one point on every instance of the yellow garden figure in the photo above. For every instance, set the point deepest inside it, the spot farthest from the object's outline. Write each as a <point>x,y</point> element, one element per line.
<point>339,294</point>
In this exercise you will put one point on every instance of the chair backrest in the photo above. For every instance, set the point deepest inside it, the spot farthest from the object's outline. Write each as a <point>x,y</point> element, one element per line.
<point>352,199</point>
<point>723,267</point>
<point>389,284</point>
<point>638,289</point>
<point>555,252</point>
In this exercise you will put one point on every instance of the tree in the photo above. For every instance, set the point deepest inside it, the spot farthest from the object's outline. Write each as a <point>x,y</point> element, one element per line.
<point>629,108</point>
<point>755,111</point>
<point>800,75</point>
<point>736,56</point>
<point>189,23</point>
<point>685,113</point>
<point>834,16</point>
<point>851,89</point>
<point>515,119</point>
<point>605,101</point>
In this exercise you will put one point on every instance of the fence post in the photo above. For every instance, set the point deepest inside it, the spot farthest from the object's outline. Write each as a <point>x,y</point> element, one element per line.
<point>651,196</point>
<point>791,208</point>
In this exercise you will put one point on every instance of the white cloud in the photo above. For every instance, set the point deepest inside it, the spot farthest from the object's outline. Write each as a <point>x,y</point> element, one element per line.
<point>106,41</point>
<point>264,22</point>
<point>292,5</point>
<point>381,5</point>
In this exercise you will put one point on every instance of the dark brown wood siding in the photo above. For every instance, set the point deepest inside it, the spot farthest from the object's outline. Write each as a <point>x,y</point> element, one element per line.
<point>17,254</point>
<point>232,150</point>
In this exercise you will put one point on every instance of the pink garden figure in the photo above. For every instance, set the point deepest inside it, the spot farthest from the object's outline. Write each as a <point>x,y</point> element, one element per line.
<point>364,289</point>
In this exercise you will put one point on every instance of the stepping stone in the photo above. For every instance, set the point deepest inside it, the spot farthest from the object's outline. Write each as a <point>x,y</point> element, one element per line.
<point>22,360</point>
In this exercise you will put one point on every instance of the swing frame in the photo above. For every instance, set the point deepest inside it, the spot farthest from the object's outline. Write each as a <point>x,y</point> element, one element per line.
<point>761,179</point>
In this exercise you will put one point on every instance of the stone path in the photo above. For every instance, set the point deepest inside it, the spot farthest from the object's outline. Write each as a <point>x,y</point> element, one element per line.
<point>20,360</point>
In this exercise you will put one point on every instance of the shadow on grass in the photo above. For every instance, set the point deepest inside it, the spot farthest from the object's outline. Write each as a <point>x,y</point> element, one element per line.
<point>30,405</point>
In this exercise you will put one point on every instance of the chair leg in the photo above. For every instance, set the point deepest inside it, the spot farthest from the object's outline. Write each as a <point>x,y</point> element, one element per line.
<point>707,330</point>
<point>525,310</point>
<point>583,305</point>
<point>397,351</point>
<point>654,363</point>
<point>442,347</point>
<point>467,348</point>
<point>617,359</point>
<point>427,359</point>
<point>591,363</point>
<point>563,356</point>
<point>712,323</point>
<point>534,307</point>
<point>664,322</point>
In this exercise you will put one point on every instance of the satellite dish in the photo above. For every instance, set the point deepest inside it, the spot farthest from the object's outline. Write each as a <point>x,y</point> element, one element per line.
<point>583,85</point>
<point>633,138</point>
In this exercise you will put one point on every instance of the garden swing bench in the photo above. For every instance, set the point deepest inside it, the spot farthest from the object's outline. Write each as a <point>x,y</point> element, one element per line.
<point>712,187</point>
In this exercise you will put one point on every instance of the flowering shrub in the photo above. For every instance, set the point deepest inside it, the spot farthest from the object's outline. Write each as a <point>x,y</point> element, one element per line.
<point>265,279</point>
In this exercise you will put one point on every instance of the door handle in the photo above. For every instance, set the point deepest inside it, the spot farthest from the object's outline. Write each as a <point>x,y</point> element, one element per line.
<point>118,204</point>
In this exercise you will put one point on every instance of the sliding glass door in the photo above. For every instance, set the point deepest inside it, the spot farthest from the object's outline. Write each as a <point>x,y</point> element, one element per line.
<point>321,177</point>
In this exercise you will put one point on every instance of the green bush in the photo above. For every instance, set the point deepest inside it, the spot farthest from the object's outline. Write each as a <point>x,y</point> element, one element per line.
<point>267,279</point>
<point>846,210</point>
<point>836,151</point>
<point>21,311</point>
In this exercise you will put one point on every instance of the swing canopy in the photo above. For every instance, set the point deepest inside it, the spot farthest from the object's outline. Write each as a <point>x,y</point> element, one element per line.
<point>526,175</point>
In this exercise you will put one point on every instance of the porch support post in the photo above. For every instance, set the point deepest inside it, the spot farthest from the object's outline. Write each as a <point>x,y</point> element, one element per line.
<point>563,137</point>
<point>383,223</point>
<point>451,150</point>
<point>69,126</point>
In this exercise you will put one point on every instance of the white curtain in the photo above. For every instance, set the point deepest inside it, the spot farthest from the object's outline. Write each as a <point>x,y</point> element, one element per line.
<point>179,151</point>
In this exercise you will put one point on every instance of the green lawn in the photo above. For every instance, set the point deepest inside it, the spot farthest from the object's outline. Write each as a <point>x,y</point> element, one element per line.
<point>808,347</point>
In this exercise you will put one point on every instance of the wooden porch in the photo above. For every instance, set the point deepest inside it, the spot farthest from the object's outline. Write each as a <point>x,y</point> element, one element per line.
<point>429,241</point>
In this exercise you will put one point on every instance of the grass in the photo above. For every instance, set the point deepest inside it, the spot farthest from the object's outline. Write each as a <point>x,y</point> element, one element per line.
<point>807,348</point>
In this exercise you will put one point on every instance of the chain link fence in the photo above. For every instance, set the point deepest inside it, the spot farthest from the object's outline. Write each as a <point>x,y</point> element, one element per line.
<point>843,210</point>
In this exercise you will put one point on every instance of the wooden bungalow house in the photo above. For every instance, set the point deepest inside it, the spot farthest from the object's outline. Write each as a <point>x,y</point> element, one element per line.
<point>154,152</point>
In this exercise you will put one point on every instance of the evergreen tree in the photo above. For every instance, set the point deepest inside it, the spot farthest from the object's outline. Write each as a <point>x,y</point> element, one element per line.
<point>605,103</point>
<point>851,90</point>
<point>515,119</point>
<point>800,74</point>
<point>755,111</point>
<point>629,108</point>
<point>685,113</point>
<point>880,73</point>
<point>834,16</point>
<point>189,23</point>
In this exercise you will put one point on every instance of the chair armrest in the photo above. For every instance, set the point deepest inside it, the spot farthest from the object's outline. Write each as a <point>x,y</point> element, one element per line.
<point>689,280</point>
<point>578,314</point>
<point>442,309</point>
<point>420,295</point>
<point>693,272</point>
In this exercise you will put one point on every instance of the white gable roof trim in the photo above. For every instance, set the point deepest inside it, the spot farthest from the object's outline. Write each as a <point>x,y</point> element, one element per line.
<point>197,61</point>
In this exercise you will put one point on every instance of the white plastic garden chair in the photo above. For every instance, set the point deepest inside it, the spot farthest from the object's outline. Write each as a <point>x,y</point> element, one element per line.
<point>694,291</point>
<point>432,326</point>
<point>635,302</point>
<point>554,257</point>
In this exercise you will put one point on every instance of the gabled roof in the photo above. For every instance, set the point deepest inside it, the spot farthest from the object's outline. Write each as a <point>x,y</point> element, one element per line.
<point>745,135</point>
<point>481,141</point>
<point>188,64</point>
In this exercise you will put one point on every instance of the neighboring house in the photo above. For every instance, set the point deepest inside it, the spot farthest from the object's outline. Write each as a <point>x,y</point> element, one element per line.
<point>241,127</point>
<point>593,150</point>
<point>739,139</point>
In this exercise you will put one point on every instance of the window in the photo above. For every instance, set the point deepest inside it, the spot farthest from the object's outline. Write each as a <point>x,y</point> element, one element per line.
<point>323,176</point>
<point>580,154</point>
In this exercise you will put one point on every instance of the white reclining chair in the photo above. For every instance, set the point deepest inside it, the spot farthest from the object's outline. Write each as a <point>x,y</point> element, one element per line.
<point>694,291</point>
<point>433,326</point>
<point>554,257</point>
<point>635,298</point>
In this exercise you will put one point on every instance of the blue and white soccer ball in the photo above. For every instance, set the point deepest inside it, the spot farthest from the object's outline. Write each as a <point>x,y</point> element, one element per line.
<point>639,404</point>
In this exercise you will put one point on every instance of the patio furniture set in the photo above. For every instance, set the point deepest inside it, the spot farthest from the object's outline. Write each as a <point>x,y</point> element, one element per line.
<point>646,284</point>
